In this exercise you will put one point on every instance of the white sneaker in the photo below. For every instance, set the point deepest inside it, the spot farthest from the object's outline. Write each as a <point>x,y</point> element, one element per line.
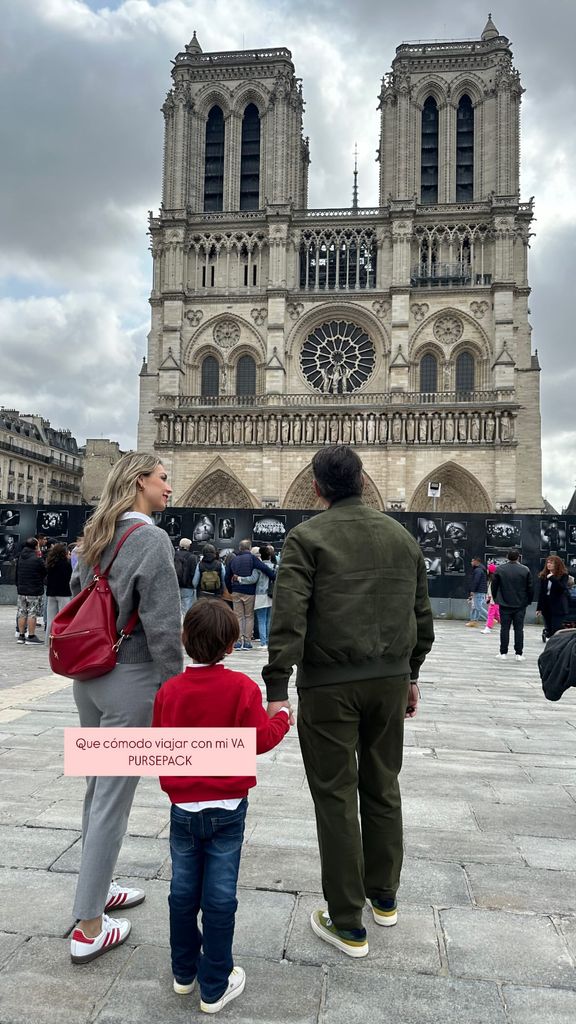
<point>236,983</point>
<point>184,990</point>
<point>486,630</point>
<point>520,657</point>
<point>122,896</point>
<point>503,656</point>
<point>114,933</point>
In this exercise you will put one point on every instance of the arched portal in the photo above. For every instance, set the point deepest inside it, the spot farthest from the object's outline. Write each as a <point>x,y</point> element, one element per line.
<point>218,487</point>
<point>461,492</point>
<point>301,493</point>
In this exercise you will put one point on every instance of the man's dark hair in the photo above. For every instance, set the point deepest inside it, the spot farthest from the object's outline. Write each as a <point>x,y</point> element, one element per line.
<point>210,626</point>
<point>513,554</point>
<point>337,470</point>
<point>209,552</point>
<point>31,542</point>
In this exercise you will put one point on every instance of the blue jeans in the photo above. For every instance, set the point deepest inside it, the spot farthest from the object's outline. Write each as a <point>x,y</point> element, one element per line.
<point>479,611</point>
<point>187,598</point>
<point>205,848</point>
<point>263,620</point>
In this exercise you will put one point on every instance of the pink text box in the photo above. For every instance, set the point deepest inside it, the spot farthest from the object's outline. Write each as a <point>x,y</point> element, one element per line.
<point>160,751</point>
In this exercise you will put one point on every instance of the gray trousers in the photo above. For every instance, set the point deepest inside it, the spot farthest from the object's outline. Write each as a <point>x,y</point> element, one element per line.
<point>53,606</point>
<point>122,698</point>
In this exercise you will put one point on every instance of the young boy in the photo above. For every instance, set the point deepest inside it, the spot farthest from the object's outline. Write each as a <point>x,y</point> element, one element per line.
<point>208,813</point>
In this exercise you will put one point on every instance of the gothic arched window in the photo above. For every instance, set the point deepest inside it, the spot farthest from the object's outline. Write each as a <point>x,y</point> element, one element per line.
<point>246,376</point>
<point>429,153</point>
<point>465,372</point>
<point>210,376</point>
<point>465,151</point>
<point>250,160</point>
<point>214,162</point>
<point>428,374</point>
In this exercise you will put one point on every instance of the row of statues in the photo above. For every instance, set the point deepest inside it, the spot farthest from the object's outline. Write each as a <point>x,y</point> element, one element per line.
<point>336,428</point>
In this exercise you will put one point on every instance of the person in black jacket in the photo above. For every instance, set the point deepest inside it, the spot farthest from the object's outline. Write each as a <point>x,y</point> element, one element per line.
<point>185,565</point>
<point>512,590</point>
<point>30,575</point>
<point>553,599</point>
<point>58,573</point>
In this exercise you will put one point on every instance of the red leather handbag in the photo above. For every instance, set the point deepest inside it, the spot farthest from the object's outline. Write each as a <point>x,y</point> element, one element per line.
<point>84,641</point>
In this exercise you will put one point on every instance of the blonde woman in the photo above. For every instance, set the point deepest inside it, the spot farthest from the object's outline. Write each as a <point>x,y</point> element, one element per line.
<point>141,577</point>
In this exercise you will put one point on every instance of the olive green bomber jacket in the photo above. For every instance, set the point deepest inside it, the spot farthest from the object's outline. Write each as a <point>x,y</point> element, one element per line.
<point>350,601</point>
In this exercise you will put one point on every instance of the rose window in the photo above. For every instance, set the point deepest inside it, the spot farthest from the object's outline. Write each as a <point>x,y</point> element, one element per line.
<point>337,358</point>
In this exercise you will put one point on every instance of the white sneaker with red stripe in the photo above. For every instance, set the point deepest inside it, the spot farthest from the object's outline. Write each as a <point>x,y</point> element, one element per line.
<point>114,933</point>
<point>120,897</point>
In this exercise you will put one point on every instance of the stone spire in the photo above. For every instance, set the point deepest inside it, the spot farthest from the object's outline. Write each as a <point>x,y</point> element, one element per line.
<point>490,30</point>
<point>355,185</point>
<point>194,45</point>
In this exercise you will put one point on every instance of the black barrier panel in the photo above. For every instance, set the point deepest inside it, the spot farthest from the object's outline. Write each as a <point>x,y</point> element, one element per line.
<point>448,540</point>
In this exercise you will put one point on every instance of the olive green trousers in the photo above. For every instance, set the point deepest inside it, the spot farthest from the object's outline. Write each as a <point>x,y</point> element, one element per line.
<point>351,736</point>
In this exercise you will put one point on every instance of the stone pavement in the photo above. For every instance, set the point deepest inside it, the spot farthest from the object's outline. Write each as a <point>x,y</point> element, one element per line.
<point>487,922</point>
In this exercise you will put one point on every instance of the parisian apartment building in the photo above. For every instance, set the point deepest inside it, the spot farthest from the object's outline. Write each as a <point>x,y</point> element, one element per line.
<point>38,464</point>
<point>402,329</point>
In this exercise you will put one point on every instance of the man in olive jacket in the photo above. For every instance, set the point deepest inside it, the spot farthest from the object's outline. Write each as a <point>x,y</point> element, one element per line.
<point>351,611</point>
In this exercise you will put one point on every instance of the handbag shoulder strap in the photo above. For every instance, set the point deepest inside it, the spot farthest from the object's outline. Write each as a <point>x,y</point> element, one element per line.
<point>105,574</point>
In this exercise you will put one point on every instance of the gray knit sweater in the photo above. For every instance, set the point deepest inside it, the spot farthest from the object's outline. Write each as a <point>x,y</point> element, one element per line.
<point>143,576</point>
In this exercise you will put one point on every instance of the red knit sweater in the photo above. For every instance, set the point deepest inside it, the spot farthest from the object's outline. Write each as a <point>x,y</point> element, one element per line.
<point>214,696</point>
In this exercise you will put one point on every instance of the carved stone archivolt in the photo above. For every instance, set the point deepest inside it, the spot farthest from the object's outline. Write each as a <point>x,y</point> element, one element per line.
<point>226,333</point>
<point>454,427</point>
<point>448,329</point>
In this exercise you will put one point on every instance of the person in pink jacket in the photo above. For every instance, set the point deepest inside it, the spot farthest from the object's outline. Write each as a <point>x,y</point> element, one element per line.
<point>493,608</point>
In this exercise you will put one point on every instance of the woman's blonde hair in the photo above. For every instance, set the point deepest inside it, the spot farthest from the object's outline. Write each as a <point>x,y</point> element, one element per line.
<point>118,496</point>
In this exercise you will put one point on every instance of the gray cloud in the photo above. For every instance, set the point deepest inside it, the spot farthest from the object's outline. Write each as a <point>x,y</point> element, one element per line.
<point>81,85</point>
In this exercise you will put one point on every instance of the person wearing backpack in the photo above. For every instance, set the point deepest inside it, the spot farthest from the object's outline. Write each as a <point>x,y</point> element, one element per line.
<point>185,565</point>
<point>142,579</point>
<point>264,592</point>
<point>209,574</point>
<point>243,594</point>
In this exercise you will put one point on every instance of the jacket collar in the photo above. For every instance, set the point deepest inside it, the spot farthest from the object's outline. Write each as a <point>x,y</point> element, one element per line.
<point>354,499</point>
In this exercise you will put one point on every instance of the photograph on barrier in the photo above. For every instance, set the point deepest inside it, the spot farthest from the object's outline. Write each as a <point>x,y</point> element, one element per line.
<point>552,535</point>
<point>226,528</point>
<point>455,562</point>
<point>496,558</point>
<point>572,535</point>
<point>223,553</point>
<point>433,565</point>
<point>172,524</point>
<point>455,530</point>
<point>204,528</point>
<point>269,528</point>
<point>429,534</point>
<point>51,524</point>
<point>504,533</point>
<point>9,517</point>
<point>9,543</point>
<point>571,565</point>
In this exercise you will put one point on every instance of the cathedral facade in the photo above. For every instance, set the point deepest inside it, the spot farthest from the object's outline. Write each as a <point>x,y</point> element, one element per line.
<point>401,329</point>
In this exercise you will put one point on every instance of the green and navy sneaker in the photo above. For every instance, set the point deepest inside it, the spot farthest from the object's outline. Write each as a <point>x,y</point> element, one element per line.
<point>385,912</point>
<point>353,942</point>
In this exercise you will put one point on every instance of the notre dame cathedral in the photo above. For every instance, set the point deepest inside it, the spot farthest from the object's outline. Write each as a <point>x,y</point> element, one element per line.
<point>401,329</point>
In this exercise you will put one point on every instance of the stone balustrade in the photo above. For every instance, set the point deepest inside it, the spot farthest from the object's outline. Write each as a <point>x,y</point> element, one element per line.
<point>279,402</point>
<point>392,427</point>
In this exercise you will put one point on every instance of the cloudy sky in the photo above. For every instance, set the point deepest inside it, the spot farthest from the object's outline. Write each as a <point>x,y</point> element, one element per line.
<point>81,84</point>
